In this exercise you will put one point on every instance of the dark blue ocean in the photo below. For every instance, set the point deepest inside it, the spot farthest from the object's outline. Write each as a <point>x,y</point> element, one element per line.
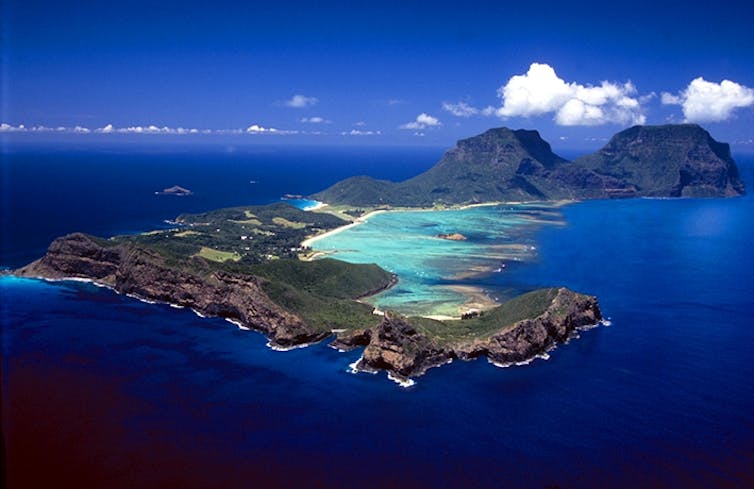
<point>100,390</point>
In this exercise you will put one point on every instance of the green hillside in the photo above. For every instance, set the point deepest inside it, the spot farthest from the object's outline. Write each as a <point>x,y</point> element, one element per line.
<point>506,165</point>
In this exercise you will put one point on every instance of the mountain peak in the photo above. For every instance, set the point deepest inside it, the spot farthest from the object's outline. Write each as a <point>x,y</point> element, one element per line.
<point>502,164</point>
<point>672,160</point>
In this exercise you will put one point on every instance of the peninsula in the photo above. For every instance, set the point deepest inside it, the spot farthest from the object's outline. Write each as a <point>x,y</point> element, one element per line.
<point>245,264</point>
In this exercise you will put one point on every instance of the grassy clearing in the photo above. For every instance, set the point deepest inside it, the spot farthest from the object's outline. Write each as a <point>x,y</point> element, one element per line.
<point>217,255</point>
<point>186,233</point>
<point>250,222</point>
<point>281,221</point>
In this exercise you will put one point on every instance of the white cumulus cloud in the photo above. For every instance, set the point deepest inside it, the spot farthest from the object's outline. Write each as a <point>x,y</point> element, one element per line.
<point>422,120</point>
<point>704,101</point>
<point>541,91</point>
<point>5,127</point>
<point>488,111</point>
<point>315,120</point>
<point>299,101</point>
<point>460,109</point>
<point>146,130</point>
<point>257,129</point>
<point>358,132</point>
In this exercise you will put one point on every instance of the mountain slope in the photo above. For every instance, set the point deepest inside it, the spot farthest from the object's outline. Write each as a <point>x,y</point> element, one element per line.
<point>506,165</point>
<point>668,161</point>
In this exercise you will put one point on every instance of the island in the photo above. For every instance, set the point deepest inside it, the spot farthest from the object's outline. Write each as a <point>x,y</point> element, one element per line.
<point>175,190</point>
<point>452,236</point>
<point>252,265</point>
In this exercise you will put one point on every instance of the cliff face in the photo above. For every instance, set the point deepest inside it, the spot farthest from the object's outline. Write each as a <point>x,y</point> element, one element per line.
<point>397,346</point>
<point>500,164</point>
<point>404,350</point>
<point>668,161</point>
<point>402,346</point>
<point>506,165</point>
<point>146,274</point>
<point>527,338</point>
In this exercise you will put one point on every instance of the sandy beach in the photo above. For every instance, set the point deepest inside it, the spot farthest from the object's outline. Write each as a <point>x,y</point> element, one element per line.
<point>361,220</point>
<point>319,205</point>
<point>476,298</point>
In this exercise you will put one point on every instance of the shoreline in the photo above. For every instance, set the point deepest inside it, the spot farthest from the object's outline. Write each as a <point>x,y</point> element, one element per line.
<point>404,379</point>
<point>319,205</point>
<point>476,298</point>
<point>359,220</point>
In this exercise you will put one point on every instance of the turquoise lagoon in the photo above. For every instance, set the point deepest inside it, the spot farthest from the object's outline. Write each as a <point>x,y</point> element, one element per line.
<point>440,277</point>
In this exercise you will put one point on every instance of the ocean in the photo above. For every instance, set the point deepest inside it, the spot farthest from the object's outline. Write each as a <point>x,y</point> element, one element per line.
<point>101,390</point>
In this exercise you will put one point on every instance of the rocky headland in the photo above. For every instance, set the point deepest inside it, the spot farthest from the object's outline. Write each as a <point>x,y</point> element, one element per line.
<point>147,275</point>
<point>407,348</point>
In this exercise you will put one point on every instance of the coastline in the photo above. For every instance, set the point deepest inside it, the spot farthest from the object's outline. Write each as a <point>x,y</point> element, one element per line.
<point>360,220</point>
<point>316,207</point>
<point>477,298</point>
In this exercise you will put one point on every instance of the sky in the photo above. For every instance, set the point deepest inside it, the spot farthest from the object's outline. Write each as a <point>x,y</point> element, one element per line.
<point>384,73</point>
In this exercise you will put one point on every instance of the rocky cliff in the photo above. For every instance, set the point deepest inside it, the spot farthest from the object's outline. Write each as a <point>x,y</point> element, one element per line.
<point>146,274</point>
<point>667,161</point>
<point>407,349</point>
<point>506,165</point>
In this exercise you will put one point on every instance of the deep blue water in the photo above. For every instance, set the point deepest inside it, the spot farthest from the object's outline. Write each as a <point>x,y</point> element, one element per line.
<point>110,190</point>
<point>105,391</point>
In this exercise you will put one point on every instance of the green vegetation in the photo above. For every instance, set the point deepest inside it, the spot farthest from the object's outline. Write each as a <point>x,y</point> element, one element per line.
<point>250,234</point>
<point>183,234</point>
<point>321,311</point>
<point>663,165</point>
<point>323,291</point>
<point>264,241</point>
<point>281,221</point>
<point>499,165</point>
<point>506,165</point>
<point>525,306</point>
<point>217,255</point>
<point>326,277</point>
<point>249,222</point>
